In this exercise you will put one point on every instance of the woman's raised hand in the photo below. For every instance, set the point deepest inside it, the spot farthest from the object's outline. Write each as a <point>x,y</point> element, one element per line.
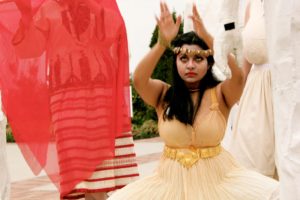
<point>200,28</point>
<point>168,29</point>
<point>198,23</point>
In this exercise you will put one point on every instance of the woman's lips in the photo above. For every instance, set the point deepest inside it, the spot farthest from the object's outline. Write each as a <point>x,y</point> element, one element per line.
<point>191,74</point>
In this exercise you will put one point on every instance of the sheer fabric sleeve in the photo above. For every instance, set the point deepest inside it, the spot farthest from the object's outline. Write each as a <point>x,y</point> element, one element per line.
<point>24,86</point>
<point>30,40</point>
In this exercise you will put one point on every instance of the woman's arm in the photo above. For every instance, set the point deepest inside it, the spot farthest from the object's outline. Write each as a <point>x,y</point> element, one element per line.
<point>235,83</point>
<point>231,89</point>
<point>150,89</point>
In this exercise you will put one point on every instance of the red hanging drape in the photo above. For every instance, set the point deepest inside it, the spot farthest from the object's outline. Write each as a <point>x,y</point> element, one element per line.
<point>65,83</point>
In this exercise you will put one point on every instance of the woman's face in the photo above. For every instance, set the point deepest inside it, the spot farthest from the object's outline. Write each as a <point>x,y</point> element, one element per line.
<point>191,67</point>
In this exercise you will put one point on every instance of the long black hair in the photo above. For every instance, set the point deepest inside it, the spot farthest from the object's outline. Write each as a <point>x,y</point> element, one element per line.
<point>177,101</point>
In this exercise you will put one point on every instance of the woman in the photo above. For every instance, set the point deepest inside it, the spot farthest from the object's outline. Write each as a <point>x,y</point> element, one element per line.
<point>67,94</point>
<point>192,117</point>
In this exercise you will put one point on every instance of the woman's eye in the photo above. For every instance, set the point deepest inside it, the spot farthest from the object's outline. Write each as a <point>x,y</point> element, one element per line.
<point>183,59</point>
<point>198,59</point>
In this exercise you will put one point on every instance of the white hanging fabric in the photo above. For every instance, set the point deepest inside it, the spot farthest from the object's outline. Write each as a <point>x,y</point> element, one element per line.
<point>283,34</point>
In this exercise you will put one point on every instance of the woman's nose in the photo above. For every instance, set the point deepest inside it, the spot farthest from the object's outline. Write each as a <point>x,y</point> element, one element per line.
<point>190,64</point>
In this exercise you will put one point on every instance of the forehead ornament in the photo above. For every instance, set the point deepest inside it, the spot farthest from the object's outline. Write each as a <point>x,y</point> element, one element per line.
<point>192,52</point>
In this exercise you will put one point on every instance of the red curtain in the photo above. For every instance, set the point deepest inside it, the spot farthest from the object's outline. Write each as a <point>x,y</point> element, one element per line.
<point>65,83</point>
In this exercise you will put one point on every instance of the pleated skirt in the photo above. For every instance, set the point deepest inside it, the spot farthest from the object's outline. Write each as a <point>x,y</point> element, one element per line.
<point>216,178</point>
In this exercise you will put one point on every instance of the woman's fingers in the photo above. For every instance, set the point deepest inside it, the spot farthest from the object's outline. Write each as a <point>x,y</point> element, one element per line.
<point>178,21</point>
<point>195,12</point>
<point>166,9</point>
<point>161,7</point>
<point>196,17</point>
<point>168,27</point>
<point>164,12</point>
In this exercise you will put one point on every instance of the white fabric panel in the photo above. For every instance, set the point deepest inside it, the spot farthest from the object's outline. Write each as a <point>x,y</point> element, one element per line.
<point>283,25</point>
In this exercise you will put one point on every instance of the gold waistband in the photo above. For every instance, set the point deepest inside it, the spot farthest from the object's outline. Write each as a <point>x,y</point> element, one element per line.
<point>189,156</point>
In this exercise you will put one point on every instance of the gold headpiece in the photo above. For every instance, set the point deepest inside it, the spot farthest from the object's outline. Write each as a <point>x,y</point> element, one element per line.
<point>192,52</point>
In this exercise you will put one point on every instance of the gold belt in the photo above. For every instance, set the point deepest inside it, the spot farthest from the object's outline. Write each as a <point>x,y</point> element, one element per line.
<point>189,156</point>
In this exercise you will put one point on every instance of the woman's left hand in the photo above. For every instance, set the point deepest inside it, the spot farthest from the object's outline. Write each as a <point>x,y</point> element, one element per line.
<point>200,28</point>
<point>198,23</point>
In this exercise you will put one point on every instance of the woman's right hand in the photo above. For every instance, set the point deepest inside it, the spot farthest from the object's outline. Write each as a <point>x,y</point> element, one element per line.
<point>168,29</point>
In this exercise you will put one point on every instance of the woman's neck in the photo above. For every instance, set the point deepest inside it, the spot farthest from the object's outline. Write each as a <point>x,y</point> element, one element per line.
<point>193,87</point>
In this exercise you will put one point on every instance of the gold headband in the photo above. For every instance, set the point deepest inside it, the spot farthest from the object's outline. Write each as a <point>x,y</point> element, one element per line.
<point>203,53</point>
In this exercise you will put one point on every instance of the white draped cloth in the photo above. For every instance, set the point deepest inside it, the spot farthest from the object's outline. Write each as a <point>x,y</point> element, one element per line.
<point>4,174</point>
<point>283,25</point>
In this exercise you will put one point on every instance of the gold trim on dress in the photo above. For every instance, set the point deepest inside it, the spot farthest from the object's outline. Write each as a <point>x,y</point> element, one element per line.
<point>189,156</point>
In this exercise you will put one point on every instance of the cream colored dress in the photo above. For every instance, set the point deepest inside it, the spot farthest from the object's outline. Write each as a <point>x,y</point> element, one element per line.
<point>214,178</point>
<point>252,137</point>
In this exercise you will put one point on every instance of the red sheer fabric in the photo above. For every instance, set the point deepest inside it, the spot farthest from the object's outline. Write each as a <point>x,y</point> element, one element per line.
<point>65,83</point>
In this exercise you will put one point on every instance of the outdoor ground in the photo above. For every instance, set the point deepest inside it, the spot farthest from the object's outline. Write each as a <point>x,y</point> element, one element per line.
<point>26,186</point>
